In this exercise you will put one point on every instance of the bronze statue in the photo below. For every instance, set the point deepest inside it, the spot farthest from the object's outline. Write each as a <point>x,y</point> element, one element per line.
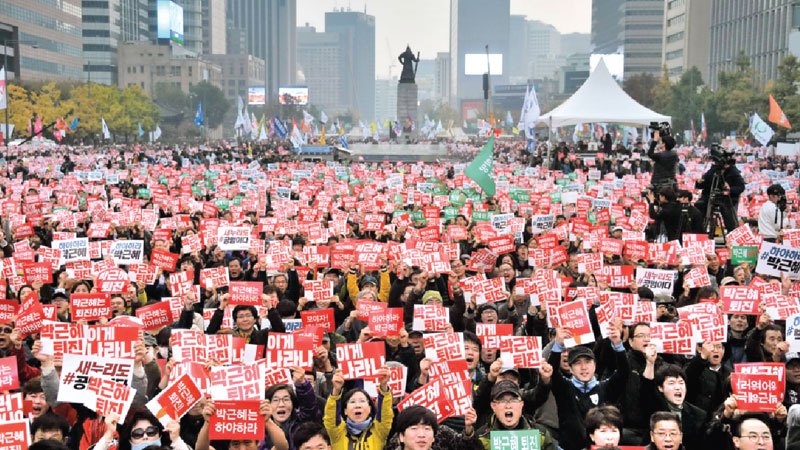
<point>408,60</point>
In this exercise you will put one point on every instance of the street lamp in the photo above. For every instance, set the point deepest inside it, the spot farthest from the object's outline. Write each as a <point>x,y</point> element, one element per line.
<point>5,77</point>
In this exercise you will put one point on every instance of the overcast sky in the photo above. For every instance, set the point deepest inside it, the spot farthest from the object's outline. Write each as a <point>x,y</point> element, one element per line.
<point>424,23</point>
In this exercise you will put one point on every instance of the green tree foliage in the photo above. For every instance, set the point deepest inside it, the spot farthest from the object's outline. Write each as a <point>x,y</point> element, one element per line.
<point>215,105</point>
<point>784,90</point>
<point>640,88</point>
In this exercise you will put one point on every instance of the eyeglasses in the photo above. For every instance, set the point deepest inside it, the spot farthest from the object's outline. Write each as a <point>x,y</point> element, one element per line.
<point>139,432</point>
<point>754,437</point>
<point>244,316</point>
<point>663,434</point>
<point>6,330</point>
<point>281,400</point>
<point>641,336</point>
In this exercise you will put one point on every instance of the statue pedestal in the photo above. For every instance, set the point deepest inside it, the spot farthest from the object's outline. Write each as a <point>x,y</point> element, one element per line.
<point>407,104</point>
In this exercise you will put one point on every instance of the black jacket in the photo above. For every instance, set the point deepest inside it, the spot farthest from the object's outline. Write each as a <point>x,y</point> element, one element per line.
<point>665,164</point>
<point>670,215</point>
<point>573,404</point>
<point>693,419</point>
<point>705,388</point>
<point>731,176</point>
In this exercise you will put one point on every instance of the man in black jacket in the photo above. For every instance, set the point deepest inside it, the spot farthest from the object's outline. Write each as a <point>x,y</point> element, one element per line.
<point>577,395</point>
<point>667,213</point>
<point>693,220</point>
<point>665,163</point>
<point>667,392</point>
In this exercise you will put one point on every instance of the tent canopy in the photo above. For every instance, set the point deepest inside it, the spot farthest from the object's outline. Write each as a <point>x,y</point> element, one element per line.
<point>601,99</point>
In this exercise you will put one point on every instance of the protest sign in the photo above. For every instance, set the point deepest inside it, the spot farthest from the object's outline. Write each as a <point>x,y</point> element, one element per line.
<point>757,391</point>
<point>388,322</point>
<point>11,407</point>
<point>793,332</point>
<point>181,282</point>
<point>175,401</point>
<point>233,238</point>
<point>15,435</point>
<point>430,318</point>
<point>163,259</point>
<point>673,338</point>
<point>77,370</point>
<point>9,379</point>
<point>72,249</point>
<point>661,282</point>
<point>739,300</point>
<point>617,276</point>
<point>109,397</point>
<point>318,290</point>
<point>155,316</point>
<point>780,307</point>
<point>360,360</point>
<point>237,382</point>
<point>289,350</point>
<point>112,281</point>
<point>90,307</point>
<point>322,318</point>
<point>697,277</point>
<point>246,293</point>
<point>515,439</point>
<point>777,260</point>
<point>573,316</point>
<point>59,338</point>
<point>127,252</point>
<point>215,277</point>
<point>236,420</point>
<point>431,396</point>
<point>521,351</point>
<point>29,316</point>
<point>748,254</point>
<point>397,382</point>
<point>444,346</point>
<point>492,333</point>
<point>188,345</point>
<point>111,341</point>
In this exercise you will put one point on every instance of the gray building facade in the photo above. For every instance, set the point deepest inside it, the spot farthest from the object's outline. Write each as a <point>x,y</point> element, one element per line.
<point>357,30</point>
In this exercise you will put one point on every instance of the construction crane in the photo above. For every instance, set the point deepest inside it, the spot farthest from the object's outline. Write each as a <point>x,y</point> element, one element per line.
<point>392,64</point>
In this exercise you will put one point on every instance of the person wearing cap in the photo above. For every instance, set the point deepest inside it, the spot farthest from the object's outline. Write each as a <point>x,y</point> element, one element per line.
<point>583,391</point>
<point>693,221</point>
<point>770,217</point>
<point>616,232</point>
<point>665,308</point>
<point>792,396</point>
<point>507,404</point>
<point>61,300</point>
<point>533,398</point>
<point>354,285</point>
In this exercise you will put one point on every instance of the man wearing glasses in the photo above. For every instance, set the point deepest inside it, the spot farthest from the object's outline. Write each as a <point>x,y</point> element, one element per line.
<point>665,432</point>
<point>752,434</point>
<point>507,415</point>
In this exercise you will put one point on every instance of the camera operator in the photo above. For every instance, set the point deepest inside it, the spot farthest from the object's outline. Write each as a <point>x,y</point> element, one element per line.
<point>667,214</point>
<point>732,185</point>
<point>770,218</point>
<point>665,163</point>
<point>692,217</point>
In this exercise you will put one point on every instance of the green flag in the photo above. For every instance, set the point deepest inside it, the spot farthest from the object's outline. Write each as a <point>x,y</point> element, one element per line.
<point>481,168</point>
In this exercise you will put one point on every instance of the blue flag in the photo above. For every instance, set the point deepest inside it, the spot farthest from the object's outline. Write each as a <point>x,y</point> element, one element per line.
<point>74,125</point>
<point>279,127</point>
<point>343,141</point>
<point>198,118</point>
<point>141,133</point>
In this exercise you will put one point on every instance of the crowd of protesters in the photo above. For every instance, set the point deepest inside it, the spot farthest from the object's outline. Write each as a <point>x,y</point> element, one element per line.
<point>617,390</point>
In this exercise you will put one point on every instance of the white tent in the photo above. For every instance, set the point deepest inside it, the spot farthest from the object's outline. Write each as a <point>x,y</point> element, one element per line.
<point>600,99</point>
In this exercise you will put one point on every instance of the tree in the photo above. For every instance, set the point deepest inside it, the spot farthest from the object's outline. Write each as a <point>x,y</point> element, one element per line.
<point>640,88</point>
<point>784,90</point>
<point>737,97</point>
<point>441,110</point>
<point>214,103</point>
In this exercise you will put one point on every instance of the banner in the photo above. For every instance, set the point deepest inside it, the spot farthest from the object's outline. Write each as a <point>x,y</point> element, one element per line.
<point>246,293</point>
<point>573,316</point>
<point>9,380</point>
<point>661,282</point>
<point>757,392</point>
<point>389,322</point>
<point>155,316</point>
<point>318,290</point>
<point>11,407</point>
<point>430,318</point>
<point>109,397</point>
<point>15,435</point>
<point>748,254</point>
<point>125,253</point>
<point>236,420</point>
<point>322,318</point>
<point>444,346</point>
<point>163,259</point>
<point>431,396</point>
<point>361,360</point>
<point>233,238</point>
<point>491,334</point>
<point>739,300</point>
<point>527,439</point>
<point>673,338</point>
<point>289,350</point>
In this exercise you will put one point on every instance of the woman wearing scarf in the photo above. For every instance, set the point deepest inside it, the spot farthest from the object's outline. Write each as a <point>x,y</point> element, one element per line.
<point>353,421</point>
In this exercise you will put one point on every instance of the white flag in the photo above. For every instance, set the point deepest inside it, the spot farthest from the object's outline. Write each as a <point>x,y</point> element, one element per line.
<point>531,113</point>
<point>262,136</point>
<point>157,133</point>
<point>106,133</point>
<point>762,132</point>
<point>323,118</point>
<point>3,91</point>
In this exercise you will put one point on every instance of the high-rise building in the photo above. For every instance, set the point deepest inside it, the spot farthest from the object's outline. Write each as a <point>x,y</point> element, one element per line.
<point>239,72</point>
<point>358,53</point>
<point>193,32</point>
<point>544,50</point>
<point>319,61</point>
<point>441,81</point>
<point>572,43</point>
<point>685,22</point>
<point>633,27</point>
<point>760,29</point>
<point>474,25</point>
<point>106,25</point>
<point>147,64</point>
<point>607,33</point>
<point>270,33</point>
<point>214,24</point>
<point>517,48</point>
<point>386,100</point>
<point>49,39</point>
